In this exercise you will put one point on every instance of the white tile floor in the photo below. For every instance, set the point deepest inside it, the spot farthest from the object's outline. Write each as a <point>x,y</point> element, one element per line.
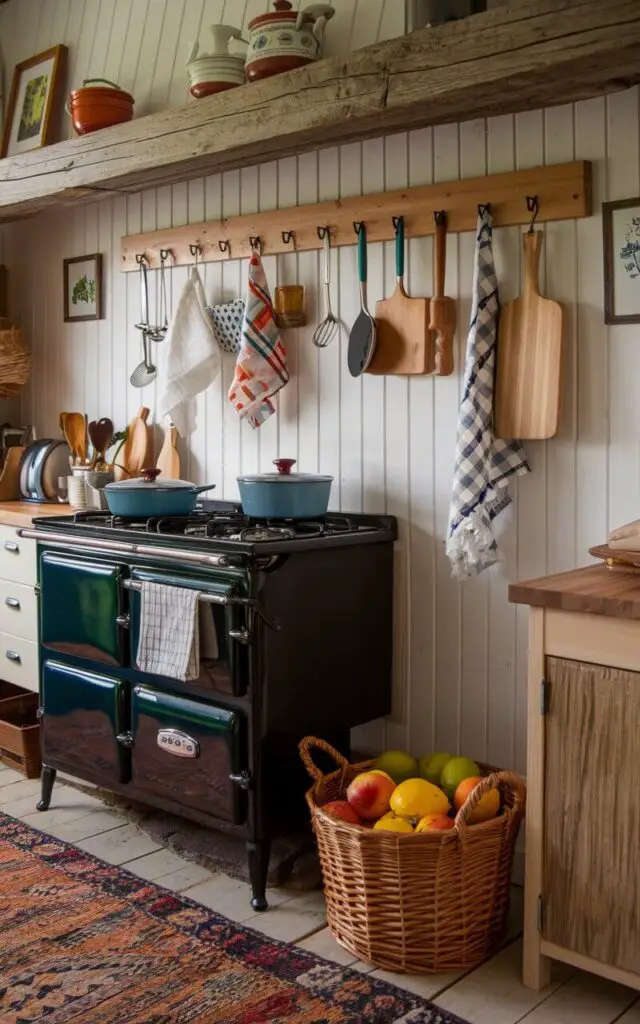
<point>492,994</point>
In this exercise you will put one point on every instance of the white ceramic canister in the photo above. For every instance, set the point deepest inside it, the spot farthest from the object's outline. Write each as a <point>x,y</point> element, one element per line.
<point>217,71</point>
<point>285,39</point>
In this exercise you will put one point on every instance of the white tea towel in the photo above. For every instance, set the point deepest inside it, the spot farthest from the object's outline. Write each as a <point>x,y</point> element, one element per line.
<point>169,642</point>
<point>261,367</point>
<point>483,463</point>
<point>193,358</point>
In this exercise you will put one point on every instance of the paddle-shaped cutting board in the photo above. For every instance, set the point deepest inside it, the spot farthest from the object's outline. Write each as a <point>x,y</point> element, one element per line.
<point>528,368</point>
<point>169,460</point>
<point>134,456</point>
<point>403,339</point>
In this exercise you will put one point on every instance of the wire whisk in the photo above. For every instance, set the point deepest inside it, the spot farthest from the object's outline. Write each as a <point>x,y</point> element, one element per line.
<point>327,329</point>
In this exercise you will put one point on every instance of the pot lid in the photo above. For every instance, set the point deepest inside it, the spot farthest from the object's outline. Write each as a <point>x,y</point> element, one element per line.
<point>148,482</point>
<point>105,88</point>
<point>284,475</point>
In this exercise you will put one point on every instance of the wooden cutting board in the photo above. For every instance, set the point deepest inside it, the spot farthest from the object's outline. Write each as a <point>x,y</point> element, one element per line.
<point>404,342</point>
<point>135,454</point>
<point>169,460</point>
<point>528,369</point>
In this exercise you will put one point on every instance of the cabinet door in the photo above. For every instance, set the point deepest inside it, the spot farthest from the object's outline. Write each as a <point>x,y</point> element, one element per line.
<point>84,712</point>
<point>81,603</point>
<point>592,812</point>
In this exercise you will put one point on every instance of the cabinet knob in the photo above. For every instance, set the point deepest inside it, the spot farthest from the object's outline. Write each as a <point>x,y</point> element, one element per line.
<point>12,602</point>
<point>13,656</point>
<point>10,545</point>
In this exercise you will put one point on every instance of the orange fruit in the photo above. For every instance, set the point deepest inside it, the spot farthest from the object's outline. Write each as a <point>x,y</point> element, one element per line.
<point>488,806</point>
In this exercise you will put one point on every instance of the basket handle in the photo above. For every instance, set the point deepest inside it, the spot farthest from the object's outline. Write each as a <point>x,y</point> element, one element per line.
<point>493,781</point>
<point>308,744</point>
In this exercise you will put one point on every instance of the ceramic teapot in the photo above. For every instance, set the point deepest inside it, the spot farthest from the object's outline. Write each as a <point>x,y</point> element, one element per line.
<point>219,70</point>
<point>285,39</point>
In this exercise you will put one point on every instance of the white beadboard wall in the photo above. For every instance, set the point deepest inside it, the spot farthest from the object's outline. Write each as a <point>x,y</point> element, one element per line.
<point>389,442</point>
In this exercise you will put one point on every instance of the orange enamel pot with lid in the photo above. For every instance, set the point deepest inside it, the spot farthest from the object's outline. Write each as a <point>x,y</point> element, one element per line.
<point>99,106</point>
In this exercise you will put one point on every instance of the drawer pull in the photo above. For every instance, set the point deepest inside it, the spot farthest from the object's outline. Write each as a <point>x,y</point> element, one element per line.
<point>13,656</point>
<point>10,545</point>
<point>12,602</point>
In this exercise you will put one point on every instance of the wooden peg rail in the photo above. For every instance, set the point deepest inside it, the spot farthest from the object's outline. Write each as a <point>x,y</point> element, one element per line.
<point>563,192</point>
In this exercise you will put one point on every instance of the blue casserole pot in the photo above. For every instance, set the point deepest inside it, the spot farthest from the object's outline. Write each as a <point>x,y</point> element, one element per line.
<point>145,496</point>
<point>285,495</point>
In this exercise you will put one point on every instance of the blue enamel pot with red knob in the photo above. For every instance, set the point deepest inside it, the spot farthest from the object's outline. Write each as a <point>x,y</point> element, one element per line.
<point>145,496</point>
<point>283,494</point>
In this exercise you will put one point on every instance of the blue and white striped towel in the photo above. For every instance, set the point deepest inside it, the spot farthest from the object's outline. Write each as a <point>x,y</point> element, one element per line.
<point>483,463</point>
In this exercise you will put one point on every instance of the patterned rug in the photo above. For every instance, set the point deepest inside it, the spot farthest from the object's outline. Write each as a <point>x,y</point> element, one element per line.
<point>83,941</point>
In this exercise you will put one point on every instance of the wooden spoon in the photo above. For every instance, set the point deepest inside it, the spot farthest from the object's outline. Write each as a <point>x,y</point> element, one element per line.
<point>100,433</point>
<point>74,429</point>
<point>169,460</point>
<point>443,309</point>
<point>135,452</point>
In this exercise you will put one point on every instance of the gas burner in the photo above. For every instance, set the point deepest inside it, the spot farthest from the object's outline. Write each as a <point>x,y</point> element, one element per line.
<point>263,533</point>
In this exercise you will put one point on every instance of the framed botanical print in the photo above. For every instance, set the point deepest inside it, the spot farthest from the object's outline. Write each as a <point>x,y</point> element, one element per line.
<point>34,102</point>
<point>621,231</point>
<point>83,288</point>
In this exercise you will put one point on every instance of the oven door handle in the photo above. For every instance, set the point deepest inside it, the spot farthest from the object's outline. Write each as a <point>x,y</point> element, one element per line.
<point>223,599</point>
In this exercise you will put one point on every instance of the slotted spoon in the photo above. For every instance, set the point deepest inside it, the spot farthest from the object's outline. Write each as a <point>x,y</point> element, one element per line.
<point>327,329</point>
<point>145,372</point>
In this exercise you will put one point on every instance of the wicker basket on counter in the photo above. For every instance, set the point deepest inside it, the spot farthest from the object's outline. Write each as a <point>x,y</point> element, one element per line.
<point>15,360</point>
<point>421,903</point>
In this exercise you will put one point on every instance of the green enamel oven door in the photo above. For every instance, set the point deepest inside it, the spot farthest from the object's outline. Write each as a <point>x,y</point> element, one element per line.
<point>80,603</point>
<point>83,714</point>
<point>185,751</point>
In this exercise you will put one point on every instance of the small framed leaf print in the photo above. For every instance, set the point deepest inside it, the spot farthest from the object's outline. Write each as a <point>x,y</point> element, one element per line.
<point>83,288</point>
<point>621,231</point>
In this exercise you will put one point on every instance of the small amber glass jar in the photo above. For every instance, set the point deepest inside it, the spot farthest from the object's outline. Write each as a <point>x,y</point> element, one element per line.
<point>289,306</point>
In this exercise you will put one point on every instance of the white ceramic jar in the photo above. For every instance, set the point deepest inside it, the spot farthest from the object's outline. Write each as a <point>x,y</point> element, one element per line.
<point>219,70</point>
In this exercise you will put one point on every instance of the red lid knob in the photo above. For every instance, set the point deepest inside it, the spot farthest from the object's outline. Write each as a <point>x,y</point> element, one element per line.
<point>284,465</point>
<point>282,5</point>
<point>150,474</point>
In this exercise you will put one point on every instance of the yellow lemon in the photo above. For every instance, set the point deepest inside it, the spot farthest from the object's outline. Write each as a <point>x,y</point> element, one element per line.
<point>392,824</point>
<point>416,798</point>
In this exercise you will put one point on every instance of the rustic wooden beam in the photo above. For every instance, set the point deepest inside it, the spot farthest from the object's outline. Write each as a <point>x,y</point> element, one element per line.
<point>512,58</point>
<point>563,192</point>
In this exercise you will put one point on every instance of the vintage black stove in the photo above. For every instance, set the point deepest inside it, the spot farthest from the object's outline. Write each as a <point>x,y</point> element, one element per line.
<point>303,618</point>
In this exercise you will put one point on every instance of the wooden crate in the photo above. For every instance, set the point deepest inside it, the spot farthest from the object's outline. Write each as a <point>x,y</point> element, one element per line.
<point>19,730</point>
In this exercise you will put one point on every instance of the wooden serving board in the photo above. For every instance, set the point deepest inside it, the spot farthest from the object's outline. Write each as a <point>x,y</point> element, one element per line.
<point>616,557</point>
<point>528,369</point>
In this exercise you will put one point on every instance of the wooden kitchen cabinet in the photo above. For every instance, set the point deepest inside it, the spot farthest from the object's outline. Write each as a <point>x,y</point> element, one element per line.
<point>582,868</point>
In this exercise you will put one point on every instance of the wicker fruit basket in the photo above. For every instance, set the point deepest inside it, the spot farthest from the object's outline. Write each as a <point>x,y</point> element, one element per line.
<point>422,903</point>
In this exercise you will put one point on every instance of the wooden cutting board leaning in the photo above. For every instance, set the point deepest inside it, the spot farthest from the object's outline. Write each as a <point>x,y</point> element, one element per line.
<point>169,460</point>
<point>528,369</point>
<point>402,323</point>
<point>134,455</point>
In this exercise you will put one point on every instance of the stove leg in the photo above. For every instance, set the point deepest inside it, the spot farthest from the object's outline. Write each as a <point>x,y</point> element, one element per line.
<point>258,855</point>
<point>48,779</point>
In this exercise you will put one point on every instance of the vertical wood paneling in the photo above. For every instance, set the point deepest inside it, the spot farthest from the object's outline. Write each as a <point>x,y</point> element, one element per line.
<point>460,666</point>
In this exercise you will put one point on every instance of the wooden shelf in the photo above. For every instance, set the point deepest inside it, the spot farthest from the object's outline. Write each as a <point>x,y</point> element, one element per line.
<point>519,57</point>
<point>563,192</point>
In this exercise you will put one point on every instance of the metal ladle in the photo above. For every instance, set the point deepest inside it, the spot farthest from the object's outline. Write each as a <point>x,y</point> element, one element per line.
<point>145,372</point>
<point>327,329</point>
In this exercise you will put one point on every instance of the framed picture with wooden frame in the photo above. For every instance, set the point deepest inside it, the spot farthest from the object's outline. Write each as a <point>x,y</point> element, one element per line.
<point>83,288</point>
<point>34,102</point>
<point>621,237</point>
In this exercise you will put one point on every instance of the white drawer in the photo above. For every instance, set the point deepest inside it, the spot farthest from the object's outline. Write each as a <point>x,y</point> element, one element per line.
<point>19,661</point>
<point>18,610</point>
<point>18,559</point>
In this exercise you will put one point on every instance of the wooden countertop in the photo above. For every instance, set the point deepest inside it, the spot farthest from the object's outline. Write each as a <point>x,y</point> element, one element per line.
<point>596,589</point>
<point>22,513</point>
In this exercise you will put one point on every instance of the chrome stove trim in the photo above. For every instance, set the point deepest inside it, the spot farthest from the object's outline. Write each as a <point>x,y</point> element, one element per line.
<point>120,547</point>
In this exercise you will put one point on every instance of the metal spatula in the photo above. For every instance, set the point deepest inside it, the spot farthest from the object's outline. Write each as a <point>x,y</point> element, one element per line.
<point>362,340</point>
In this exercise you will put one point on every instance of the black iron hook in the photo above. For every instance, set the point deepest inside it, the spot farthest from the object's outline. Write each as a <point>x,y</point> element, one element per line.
<point>532,207</point>
<point>288,237</point>
<point>165,254</point>
<point>256,243</point>
<point>225,246</point>
<point>440,216</point>
<point>397,221</point>
<point>484,208</point>
<point>141,257</point>
<point>322,233</point>
<point>357,227</point>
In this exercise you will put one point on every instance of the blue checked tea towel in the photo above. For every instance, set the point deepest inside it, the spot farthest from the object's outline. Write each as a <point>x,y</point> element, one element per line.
<point>483,463</point>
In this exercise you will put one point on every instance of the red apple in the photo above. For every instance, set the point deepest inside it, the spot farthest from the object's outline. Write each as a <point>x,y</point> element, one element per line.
<point>342,809</point>
<point>369,794</point>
